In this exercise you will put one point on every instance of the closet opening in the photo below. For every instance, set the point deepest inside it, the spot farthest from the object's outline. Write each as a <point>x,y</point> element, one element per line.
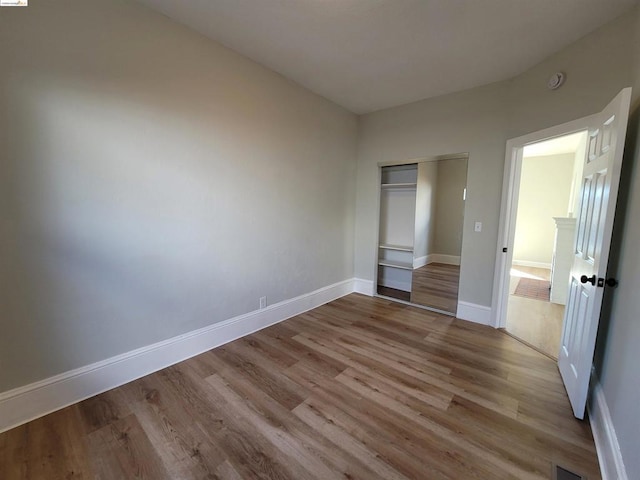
<point>420,231</point>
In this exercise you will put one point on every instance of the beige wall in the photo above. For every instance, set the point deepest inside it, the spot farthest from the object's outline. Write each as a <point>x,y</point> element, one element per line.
<point>153,182</point>
<point>479,122</point>
<point>545,188</point>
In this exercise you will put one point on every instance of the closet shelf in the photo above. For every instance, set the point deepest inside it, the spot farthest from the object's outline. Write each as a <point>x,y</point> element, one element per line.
<point>400,248</point>
<point>396,264</point>
<point>398,185</point>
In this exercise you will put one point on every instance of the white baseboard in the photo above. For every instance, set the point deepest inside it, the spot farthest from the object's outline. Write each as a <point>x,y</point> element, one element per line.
<point>474,313</point>
<point>527,263</point>
<point>446,259</point>
<point>363,286</point>
<point>29,402</point>
<point>604,435</point>
<point>421,261</point>
<point>436,258</point>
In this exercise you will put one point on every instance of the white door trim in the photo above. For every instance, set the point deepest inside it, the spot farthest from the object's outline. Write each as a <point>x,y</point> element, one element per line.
<point>509,207</point>
<point>594,228</point>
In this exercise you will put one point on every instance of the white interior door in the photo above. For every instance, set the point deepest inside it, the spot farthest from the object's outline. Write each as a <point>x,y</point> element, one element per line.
<point>598,195</point>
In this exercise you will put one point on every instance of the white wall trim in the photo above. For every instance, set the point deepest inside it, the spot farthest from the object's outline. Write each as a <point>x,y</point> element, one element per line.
<point>604,434</point>
<point>446,259</point>
<point>365,287</point>
<point>421,261</point>
<point>527,263</point>
<point>474,313</point>
<point>436,258</point>
<point>29,402</point>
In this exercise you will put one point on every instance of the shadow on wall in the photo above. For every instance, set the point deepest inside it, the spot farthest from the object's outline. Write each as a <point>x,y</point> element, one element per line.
<point>103,226</point>
<point>135,210</point>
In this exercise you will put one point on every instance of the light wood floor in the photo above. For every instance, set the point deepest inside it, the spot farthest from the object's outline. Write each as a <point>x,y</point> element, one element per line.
<point>534,321</point>
<point>360,388</point>
<point>436,285</point>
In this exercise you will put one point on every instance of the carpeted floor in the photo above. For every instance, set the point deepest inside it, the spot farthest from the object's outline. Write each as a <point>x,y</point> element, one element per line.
<point>533,288</point>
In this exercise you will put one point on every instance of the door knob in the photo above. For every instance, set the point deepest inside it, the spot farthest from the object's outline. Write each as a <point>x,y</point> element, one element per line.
<point>585,279</point>
<point>611,282</point>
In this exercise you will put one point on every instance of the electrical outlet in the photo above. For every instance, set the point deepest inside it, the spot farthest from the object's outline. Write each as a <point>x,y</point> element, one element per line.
<point>263,302</point>
<point>478,227</point>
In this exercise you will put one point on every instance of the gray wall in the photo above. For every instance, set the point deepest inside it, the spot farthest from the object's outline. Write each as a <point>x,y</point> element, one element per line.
<point>452,178</point>
<point>618,352</point>
<point>153,182</point>
<point>479,122</point>
<point>472,121</point>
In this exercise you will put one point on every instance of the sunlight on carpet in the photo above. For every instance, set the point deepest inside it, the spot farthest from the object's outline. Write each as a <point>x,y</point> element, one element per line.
<point>533,288</point>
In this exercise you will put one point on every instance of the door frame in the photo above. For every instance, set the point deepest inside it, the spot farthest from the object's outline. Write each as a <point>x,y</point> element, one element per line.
<point>509,208</point>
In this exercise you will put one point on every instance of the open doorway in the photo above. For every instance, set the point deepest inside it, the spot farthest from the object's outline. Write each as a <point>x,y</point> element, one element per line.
<point>595,195</point>
<point>547,203</point>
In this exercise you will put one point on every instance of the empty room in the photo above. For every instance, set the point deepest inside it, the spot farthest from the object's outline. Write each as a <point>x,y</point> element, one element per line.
<point>299,239</point>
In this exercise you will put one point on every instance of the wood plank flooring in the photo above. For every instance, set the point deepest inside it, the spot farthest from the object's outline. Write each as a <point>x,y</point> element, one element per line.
<point>436,285</point>
<point>360,388</point>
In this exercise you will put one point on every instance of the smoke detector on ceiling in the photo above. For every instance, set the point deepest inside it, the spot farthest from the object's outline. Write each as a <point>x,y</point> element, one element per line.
<point>556,81</point>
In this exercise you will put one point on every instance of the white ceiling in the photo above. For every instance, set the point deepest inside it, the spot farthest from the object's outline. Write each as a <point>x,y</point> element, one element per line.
<point>367,55</point>
<point>555,146</point>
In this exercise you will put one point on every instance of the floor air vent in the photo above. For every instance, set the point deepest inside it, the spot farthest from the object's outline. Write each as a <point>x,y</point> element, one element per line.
<point>560,473</point>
